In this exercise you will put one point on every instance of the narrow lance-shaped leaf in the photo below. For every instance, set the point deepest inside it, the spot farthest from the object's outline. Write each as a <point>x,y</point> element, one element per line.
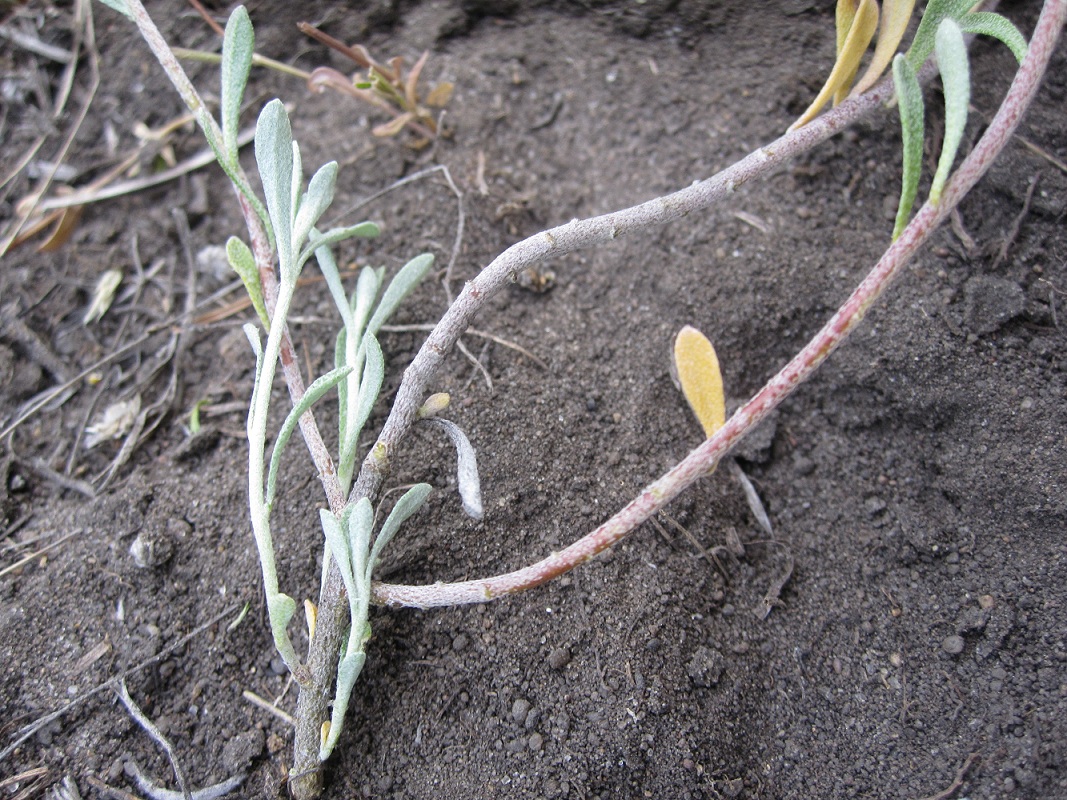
<point>337,543</point>
<point>311,395</point>
<point>910,105</point>
<point>332,275</point>
<point>400,287</point>
<point>244,264</point>
<point>859,36</point>
<point>296,184</point>
<point>347,673</point>
<point>700,378</point>
<point>334,235</point>
<point>371,384</point>
<point>274,157</point>
<point>238,44</point>
<point>956,82</point>
<point>467,479</point>
<point>257,347</point>
<point>406,506</point>
<point>369,387</point>
<point>891,29</point>
<point>120,6</point>
<point>936,11</point>
<point>986,23</point>
<point>844,17</point>
<point>315,201</point>
<point>360,523</point>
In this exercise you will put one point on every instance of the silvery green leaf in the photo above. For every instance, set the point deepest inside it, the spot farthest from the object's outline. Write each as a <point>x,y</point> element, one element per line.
<point>369,387</point>
<point>956,83</point>
<point>371,384</point>
<point>252,335</point>
<point>339,548</point>
<point>274,157</point>
<point>295,185</point>
<point>244,264</point>
<point>332,275</point>
<point>280,609</point>
<point>910,105</point>
<point>406,506</point>
<point>347,673</point>
<point>120,6</point>
<point>335,235</point>
<point>311,395</point>
<point>237,46</point>
<point>360,523</point>
<point>936,11</point>
<point>986,23</point>
<point>316,200</point>
<point>342,387</point>
<point>367,288</point>
<point>400,287</point>
<point>470,488</point>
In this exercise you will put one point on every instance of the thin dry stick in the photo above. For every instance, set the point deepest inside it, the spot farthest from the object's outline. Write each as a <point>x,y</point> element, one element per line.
<point>154,732</point>
<point>696,464</point>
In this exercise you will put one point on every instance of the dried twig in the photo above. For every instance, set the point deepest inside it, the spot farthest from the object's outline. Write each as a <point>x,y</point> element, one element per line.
<point>961,773</point>
<point>155,734</point>
<point>158,793</point>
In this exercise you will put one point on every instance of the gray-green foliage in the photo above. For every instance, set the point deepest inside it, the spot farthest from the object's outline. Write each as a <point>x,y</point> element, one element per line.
<point>348,539</point>
<point>941,31</point>
<point>283,226</point>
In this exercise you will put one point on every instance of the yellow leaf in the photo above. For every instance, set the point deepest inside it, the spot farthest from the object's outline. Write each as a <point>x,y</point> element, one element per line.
<point>440,95</point>
<point>852,50</point>
<point>846,14</point>
<point>701,380</point>
<point>395,126</point>
<point>891,28</point>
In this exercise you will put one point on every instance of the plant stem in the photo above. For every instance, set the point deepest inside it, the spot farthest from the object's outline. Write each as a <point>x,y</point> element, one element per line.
<point>696,464</point>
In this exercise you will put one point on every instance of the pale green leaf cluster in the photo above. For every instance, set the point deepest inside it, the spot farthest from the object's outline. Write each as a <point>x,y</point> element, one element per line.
<point>349,541</point>
<point>941,31</point>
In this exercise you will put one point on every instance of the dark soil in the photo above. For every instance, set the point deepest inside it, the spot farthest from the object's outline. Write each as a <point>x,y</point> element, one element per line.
<point>916,485</point>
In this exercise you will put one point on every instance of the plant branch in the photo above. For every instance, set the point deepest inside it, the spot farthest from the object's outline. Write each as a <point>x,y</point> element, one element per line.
<point>697,463</point>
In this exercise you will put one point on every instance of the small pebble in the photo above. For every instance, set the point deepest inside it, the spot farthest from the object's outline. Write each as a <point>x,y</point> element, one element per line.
<point>519,709</point>
<point>953,645</point>
<point>559,658</point>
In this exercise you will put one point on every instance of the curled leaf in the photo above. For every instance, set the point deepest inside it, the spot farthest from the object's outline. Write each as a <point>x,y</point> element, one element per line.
<point>988,24</point>
<point>700,378</point>
<point>470,487</point>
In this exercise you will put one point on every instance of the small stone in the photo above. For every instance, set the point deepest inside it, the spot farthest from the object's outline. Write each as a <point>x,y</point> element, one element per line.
<point>519,709</point>
<point>459,644</point>
<point>559,658</point>
<point>151,548</point>
<point>705,667</point>
<point>953,645</point>
<point>991,302</point>
<point>239,752</point>
<point>536,742</point>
